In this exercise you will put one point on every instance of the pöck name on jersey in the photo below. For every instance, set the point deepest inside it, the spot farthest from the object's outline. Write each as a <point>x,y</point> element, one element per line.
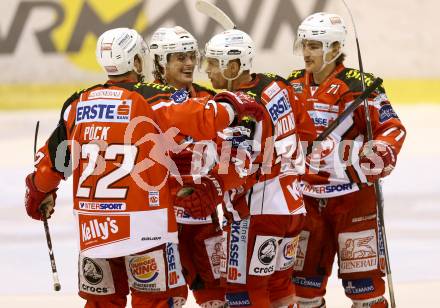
<point>102,110</point>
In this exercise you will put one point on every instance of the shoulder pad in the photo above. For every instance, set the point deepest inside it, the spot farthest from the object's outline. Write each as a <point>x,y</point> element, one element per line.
<point>296,74</point>
<point>352,77</point>
<point>76,96</point>
<point>264,81</point>
<point>200,88</point>
<point>272,76</point>
<point>267,78</point>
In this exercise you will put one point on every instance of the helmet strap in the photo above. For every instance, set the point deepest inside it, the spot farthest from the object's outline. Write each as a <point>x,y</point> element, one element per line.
<point>325,62</point>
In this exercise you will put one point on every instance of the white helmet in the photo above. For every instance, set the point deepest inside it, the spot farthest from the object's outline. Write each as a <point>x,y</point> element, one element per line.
<point>171,40</point>
<point>323,27</point>
<point>116,49</point>
<point>230,45</point>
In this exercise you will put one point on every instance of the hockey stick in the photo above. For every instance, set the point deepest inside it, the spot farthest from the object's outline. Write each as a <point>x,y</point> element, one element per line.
<point>56,281</point>
<point>382,238</point>
<point>215,13</point>
<point>334,124</point>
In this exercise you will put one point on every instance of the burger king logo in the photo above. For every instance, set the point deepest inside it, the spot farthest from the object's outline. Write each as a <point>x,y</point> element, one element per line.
<point>144,269</point>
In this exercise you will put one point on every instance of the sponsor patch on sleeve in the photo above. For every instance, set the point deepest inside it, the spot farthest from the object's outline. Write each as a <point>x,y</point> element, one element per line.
<point>273,89</point>
<point>386,112</point>
<point>180,96</point>
<point>297,87</point>
<point>279,106</point>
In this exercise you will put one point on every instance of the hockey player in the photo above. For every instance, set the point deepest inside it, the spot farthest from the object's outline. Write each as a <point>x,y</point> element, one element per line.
<point>339,198</point>
<point>175,54</point>
<point>117,147</point>
<point>264,217</point>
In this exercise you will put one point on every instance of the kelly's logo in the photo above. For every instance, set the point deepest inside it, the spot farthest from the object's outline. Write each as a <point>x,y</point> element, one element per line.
<point>101,230</point>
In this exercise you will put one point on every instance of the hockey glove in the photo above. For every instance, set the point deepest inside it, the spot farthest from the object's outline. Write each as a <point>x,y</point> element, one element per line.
<point>244,106</point>
<point>200,200</point>
<point>38,202</point>
<point>183,161</point>
<point>377,160</point>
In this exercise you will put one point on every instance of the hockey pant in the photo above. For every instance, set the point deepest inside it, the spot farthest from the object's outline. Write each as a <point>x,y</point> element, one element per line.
<point>200,247</point>
<point>154,278</point>
<point>344,225</point>
<point>258,267</point>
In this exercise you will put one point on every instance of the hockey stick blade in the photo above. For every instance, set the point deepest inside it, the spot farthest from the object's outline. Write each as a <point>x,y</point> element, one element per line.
<point>359,100</point>
<point>215,13</point>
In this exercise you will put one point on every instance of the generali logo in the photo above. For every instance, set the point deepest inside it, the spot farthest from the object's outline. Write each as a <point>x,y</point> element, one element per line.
<point>356,248</point>
<point>358,251</point>
<point>101,230</point>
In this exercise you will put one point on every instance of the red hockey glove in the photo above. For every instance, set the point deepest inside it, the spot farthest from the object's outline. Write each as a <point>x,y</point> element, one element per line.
<point>199,158</point>
<point>378,160</point>
<point>243,105</point>
<point>183,161</point>
<point>200,200</point>
<point>37,202</point>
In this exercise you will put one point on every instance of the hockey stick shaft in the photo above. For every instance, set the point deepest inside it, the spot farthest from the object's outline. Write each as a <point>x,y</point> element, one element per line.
<point>382,239</point>
<point>349,110</point>
<point>56,280</point>
<point>214,12</point>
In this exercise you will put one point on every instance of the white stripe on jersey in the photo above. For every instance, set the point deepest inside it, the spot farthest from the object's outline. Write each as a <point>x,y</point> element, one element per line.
<point>163,104</point>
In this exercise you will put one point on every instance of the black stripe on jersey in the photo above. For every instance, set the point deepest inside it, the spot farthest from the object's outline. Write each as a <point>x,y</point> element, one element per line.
<point>200,88</point>
<point>159,97</point>
<point>147,90</point>
<point>296,74</point>
<point>59,135</point>
<point>264,80</point>
<point>352,78</point>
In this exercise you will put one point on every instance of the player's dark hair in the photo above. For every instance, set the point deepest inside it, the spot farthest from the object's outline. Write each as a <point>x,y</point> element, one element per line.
<point>340,59</point>
<point>159,70</point>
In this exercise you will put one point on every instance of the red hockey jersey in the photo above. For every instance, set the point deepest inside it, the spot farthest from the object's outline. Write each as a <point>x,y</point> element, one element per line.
<point>117,146</point>
<point>334,169</point>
